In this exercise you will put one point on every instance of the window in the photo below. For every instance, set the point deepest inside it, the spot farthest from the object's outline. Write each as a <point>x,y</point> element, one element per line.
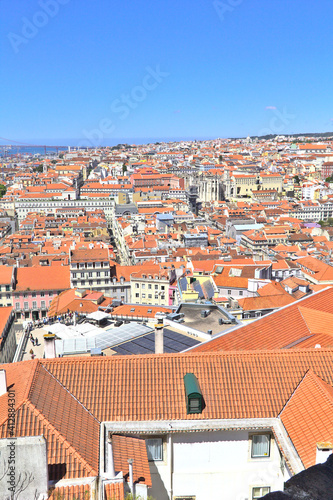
<point>26,306</point>
<point>34,305</point>
<point>240,292</point>
<point>154,449</point>
<point>149,286</point>
<point>156,287</point>
<point>98,274</point>
<point>137,285</point>
<point>43,304</point>
<point>260,445</point>
<point>260,491</point>
<point>162,287</point>
<point>42,294</point>
<point>90,274</point>
<point>137,295</point>
<point>17,305</point>
<point>229,292</point>
<point>143,295</point>
<point>82,275</point>
<point>143,286</point>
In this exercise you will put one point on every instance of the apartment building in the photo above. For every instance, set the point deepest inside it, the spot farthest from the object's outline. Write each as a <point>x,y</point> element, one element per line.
<point>35,289</point>
<point>150,286</point>
<point>90,268</point>
<point>51,206</point>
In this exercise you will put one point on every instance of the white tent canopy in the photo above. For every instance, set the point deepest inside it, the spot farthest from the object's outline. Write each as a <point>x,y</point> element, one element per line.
<point>98,316</point>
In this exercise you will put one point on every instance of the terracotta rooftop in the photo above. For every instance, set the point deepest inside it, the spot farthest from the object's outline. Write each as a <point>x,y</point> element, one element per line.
<point>114,491</point>
<point>150,387</point>
<point>88,255</point>
<point>44,406</point>
<point>73,492</point>
<point>288,327</point>
<point>308,416</point>
<point>65,399</point>
<point>43,278</point>
<point>123,448</point>
<point>6,273</point>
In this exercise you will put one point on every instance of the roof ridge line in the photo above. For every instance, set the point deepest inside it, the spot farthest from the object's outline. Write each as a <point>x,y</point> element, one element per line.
<point>30,381</point>
<point>321,385</point>
<point>65,388</point>
<point>295,389</point>
<point>60,435</point>
<point>299,310</point>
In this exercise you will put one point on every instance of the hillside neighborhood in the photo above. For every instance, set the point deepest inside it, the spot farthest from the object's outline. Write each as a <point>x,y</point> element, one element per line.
<point>166,318</point>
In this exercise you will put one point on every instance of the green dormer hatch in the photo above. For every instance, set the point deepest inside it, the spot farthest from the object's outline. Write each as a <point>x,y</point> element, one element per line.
<point>194,399</point>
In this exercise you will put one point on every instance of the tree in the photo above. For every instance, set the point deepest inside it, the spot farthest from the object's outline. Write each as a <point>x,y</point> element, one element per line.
<point>3,190</point>
<point>297,179</point>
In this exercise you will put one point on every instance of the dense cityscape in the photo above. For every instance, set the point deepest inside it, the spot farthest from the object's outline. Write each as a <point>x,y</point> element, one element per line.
<point>166,319</point>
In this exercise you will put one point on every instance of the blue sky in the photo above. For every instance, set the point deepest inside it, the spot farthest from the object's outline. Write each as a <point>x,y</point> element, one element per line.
<point>104,70</point>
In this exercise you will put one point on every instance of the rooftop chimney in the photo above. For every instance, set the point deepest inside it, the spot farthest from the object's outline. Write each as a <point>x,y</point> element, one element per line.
<point>130,470</point>
<point>159,333</point>
<point>49,345</point>
<point>3,382</point>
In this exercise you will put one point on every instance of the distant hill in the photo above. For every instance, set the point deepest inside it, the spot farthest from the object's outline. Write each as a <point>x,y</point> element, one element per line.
<point>313,134</point>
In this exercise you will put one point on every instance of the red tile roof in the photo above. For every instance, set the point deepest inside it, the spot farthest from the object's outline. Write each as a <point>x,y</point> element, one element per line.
<point>65,399</point>
<point>308,416</point>
<point>150,387</point>
<point>73,492</point>
<point>43,278</point>
<point>44,406</point>
<point>6,274</point>
<point>114,491</point>
<point>285,328</point>
<point>123,448</point>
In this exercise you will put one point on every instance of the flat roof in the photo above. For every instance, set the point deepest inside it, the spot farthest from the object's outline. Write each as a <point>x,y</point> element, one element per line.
<point>193,319</point>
